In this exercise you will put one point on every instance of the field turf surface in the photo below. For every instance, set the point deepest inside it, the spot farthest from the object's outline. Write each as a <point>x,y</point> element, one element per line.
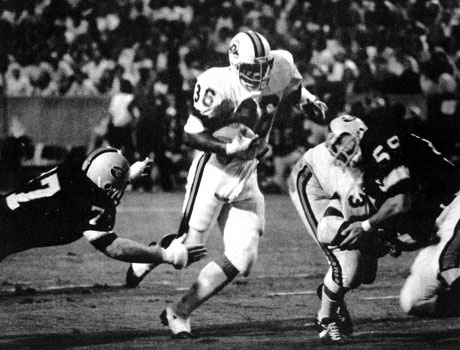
<point>73,297</point>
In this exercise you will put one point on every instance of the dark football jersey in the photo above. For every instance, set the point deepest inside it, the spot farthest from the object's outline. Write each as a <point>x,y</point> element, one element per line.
<point>56,208</point>
<point>396,161</point>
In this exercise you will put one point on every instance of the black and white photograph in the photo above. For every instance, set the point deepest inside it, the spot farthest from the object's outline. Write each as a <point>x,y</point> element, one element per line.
<point>229,175</point>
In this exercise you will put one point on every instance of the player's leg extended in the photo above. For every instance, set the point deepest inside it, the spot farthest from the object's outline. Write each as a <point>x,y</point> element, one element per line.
<point>302,189</point>
<point>343,275</point>
<point>419,293</point>
<point>308,199</point>
<point>195,188</point>
<point>433,287</point>
<point>242,224</point>
<point>449,260</point>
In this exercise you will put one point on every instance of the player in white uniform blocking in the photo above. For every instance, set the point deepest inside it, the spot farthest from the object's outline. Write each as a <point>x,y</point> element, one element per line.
<point>234,109</point>
<point>327,193</point>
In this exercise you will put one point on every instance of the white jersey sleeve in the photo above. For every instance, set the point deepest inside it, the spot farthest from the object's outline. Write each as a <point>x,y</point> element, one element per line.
<point>284,76</point>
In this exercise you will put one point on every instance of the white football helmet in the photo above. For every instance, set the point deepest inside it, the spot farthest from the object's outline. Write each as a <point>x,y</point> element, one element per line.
<point>109,170</point>
<point>249,54</point>
<point>345,134</point>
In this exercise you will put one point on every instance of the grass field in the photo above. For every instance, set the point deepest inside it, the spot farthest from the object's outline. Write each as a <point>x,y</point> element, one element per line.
<point>72,297</point>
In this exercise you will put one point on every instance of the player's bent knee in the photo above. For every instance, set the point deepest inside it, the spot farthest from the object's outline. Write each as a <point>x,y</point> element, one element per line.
<point>350,279</point>
<point>243,254</point>
<point>227,267</point>
<point>334,292</point>
<point>354,284</point>
<point>243,260</point>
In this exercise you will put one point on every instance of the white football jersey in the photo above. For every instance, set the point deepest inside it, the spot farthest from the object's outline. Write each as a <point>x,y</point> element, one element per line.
<point>335,181</point>
<point>218,89</point>
<point>329,185</point>
<point>220,84</point>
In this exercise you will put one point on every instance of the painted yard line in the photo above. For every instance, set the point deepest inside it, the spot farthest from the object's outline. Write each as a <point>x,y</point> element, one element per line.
<point>310,324</point>
<point>24,287</point>
<point>313,292</point>
<point>383,297</point>
<point>116,285</point>
<point>282,294</point>
<point>297,275</point>
<point>143,209</point>
<point>179,289</point>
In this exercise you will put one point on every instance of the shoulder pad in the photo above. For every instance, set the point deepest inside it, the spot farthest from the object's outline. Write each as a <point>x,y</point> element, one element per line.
<point>214,76</point>
<point>211,89</point>
<point>284,76</point>
<point>283,55</point>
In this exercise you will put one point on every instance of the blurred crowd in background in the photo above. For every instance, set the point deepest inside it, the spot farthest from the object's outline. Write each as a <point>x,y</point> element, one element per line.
<point>154,50</point>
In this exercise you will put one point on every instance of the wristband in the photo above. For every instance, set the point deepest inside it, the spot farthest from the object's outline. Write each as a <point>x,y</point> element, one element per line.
<point>231,148</point>
<point>166,255</point>
<point>366,225</point>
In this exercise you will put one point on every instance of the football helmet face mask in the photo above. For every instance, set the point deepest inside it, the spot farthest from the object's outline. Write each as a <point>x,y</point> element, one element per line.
<point>343,140</point>
<point>249,55</point>
<point>109,170</point>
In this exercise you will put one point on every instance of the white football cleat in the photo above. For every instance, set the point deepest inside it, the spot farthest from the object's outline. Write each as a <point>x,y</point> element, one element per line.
<point>180,327</point>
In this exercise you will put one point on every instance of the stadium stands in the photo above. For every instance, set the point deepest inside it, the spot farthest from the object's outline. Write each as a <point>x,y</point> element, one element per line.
<point>84,48</point>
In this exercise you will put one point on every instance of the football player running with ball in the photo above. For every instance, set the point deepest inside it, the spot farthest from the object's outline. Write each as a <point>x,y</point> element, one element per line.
<point>78,199</point>
<point>234,109</point>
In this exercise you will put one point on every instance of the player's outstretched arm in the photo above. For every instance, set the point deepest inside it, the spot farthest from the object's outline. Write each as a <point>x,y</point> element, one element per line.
<point>181,256</point>
<point>140,168</point>
<point>127,250</point>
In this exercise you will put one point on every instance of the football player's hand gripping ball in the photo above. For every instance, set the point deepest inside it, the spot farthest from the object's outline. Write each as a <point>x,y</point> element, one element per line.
<point>242,147</point>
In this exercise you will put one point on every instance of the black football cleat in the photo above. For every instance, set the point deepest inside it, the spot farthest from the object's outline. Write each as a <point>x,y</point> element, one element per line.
<point>329,332</point>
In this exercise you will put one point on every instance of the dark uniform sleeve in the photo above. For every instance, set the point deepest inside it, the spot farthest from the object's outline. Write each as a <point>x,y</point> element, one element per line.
<point>438,177</point>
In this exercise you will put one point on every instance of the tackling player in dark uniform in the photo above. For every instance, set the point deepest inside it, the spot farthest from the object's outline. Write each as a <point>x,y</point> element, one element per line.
<point>399,164</point>
<point>74,200</point>
<point>415,189</point>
